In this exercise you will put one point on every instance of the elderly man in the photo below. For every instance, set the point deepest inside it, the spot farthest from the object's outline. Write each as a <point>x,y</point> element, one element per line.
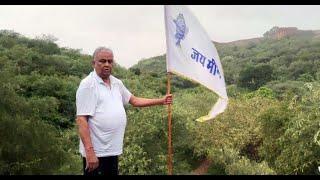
<point>101,116</point>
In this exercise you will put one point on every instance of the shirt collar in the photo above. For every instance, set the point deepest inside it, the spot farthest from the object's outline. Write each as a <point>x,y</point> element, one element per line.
<point>99,79</point>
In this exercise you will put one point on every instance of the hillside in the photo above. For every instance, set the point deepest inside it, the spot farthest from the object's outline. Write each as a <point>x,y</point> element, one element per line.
<point>153,65</point>
<point>290,53</point>
<point>271,124</point>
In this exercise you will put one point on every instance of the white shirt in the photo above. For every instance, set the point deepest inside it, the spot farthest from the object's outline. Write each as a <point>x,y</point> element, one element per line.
<point>107,117</point>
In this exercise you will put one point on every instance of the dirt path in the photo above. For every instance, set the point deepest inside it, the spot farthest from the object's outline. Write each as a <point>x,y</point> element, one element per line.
<point>203,168</point>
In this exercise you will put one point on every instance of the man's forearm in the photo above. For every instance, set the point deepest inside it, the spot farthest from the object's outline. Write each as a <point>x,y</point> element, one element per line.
<point>143,102</point>
<point>84,133</point>
<point>92,162</point>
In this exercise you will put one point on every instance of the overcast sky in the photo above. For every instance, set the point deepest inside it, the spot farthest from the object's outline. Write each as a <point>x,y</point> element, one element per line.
<point>137,32</point>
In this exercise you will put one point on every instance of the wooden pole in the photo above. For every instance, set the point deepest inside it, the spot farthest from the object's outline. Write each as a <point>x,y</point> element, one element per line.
<point>169,128</point>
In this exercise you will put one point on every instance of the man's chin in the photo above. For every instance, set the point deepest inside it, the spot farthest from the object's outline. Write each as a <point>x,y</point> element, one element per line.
<point>105,75</point>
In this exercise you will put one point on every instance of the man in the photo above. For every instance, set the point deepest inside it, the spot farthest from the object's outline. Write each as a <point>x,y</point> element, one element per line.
<point>101,116</point>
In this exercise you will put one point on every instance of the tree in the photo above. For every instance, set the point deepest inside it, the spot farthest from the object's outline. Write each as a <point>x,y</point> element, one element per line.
<point>28,144</point>
<point>254,77</point>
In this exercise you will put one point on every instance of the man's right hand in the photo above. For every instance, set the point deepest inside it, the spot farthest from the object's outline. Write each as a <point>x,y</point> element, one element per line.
<point>92,160</point>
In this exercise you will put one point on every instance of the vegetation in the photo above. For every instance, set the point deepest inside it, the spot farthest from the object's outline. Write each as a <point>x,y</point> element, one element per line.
<point>271,125</point>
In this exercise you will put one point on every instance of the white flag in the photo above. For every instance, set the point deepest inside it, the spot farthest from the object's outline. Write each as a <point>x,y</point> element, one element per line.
<point>190,53</point>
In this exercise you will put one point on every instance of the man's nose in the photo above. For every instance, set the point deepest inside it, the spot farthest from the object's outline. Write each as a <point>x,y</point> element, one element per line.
<point>107,64</point>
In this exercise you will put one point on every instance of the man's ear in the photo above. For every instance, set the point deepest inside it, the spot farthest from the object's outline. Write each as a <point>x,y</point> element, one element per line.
<point>92,63</point>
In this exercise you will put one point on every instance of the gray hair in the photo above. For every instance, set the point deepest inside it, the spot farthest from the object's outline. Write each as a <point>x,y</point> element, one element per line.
<point>99,49</point>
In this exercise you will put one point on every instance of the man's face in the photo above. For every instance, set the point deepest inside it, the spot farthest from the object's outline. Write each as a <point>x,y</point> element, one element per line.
<point>103,63</point>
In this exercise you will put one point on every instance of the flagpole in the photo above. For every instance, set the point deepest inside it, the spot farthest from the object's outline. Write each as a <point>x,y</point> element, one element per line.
<point>169,128</point>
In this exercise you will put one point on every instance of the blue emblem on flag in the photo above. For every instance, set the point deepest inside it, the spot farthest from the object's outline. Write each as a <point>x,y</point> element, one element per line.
<point>181,28</point>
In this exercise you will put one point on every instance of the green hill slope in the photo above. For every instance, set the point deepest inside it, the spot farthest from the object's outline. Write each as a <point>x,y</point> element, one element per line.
<point>271,124</point>
<point>291,57</point>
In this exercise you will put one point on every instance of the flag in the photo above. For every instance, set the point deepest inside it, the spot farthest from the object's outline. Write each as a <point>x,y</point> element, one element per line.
<point>191,54</point>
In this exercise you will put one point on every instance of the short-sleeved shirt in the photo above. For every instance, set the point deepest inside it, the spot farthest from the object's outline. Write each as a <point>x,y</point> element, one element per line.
<point>107,120</point>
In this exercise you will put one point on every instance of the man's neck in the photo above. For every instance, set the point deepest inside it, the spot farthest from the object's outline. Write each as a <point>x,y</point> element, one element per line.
<point>106,80</point>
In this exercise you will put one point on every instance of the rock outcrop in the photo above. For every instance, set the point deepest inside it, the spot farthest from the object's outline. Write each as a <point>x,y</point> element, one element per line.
<point>280,32</point>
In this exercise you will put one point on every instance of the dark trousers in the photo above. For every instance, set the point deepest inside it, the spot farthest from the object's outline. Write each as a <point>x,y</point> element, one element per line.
<point>107,166</point>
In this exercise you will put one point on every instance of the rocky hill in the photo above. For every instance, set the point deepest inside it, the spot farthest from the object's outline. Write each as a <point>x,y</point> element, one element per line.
<point>277,33</point>
<point>281,32</point>
<point>288,50</point>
